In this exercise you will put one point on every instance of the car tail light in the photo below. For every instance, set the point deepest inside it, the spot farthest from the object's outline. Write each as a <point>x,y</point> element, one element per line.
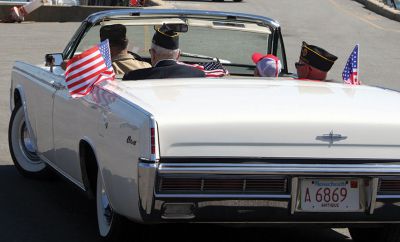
<point>154,146</point>
<point>153,141</point>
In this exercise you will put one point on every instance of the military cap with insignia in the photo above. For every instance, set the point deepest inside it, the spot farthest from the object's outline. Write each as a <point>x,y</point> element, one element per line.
<point>317,57</point>
<point>166,38</point>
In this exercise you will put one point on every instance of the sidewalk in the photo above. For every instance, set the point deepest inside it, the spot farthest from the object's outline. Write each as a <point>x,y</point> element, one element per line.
<point>53,13</point>
<point>382,9</point>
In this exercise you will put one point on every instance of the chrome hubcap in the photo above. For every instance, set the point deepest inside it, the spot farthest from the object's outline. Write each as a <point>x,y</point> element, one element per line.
<point>107,210</point>
<point>26,145</point>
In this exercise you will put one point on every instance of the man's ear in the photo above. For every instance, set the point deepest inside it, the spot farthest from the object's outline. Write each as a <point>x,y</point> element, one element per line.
<point>152,56</point>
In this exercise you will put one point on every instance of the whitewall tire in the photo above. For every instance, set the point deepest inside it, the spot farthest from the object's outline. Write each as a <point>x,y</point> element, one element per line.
<point>22,150</point>
<point>112,226</point>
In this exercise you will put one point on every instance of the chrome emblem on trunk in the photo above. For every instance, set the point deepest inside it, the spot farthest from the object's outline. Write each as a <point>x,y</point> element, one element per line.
<point>331,137</point>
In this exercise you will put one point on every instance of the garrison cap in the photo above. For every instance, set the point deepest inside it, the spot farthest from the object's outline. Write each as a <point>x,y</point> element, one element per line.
<point>115,33</point>
<point>166,38</point>
<point>317,57</point>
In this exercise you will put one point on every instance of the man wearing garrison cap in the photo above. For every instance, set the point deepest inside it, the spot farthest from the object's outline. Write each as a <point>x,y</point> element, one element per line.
<point>164,55</point>
<point>314,62</point>
<point>122,61</point>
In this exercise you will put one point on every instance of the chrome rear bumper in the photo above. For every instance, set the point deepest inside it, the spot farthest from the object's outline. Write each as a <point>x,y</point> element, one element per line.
<point>239,207</point>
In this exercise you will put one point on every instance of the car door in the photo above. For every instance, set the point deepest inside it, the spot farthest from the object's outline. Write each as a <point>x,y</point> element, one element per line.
<point>66,115</point>
<point>40,92</point>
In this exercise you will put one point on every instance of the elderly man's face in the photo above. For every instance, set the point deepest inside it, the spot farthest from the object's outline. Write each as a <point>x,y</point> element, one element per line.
<point>305,71</point>
<point>302,69</point>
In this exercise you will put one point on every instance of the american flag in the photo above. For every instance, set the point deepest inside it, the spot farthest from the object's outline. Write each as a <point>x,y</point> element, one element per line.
<point>214,69</point>
<point>88,68</point>
<point>350,73</point>
<point>211,69</point>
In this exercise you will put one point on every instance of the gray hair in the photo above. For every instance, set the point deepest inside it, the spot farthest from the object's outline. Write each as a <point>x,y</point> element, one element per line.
<point>164,53</point>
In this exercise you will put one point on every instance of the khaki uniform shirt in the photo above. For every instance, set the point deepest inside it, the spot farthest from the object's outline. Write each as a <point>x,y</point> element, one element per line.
<point>124,63</point>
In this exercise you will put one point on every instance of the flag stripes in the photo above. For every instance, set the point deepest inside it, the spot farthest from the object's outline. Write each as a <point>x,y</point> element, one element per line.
<point>351,72</point>
<point>88,68</point>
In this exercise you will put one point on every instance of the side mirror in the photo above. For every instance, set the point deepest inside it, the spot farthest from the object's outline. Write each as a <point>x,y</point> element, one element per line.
<point>55,59</point>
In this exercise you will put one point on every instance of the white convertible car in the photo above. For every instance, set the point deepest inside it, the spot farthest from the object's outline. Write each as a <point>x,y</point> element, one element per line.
<point>237,149</point>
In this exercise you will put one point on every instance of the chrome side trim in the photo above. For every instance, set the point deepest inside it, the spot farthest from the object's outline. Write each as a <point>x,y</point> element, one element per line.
<point>294,192</point>
<point>281,169</point>
<point>236,196</point>
<point>147,179</point>
<point>374,192</point>
<point>64,174</point>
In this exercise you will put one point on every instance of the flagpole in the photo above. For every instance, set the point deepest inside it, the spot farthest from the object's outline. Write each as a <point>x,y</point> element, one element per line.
<point>358,64</point>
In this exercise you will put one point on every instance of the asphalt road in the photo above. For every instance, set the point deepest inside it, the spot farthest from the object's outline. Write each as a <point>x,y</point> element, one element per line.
<point>335,25</point>
<point>55,211</point>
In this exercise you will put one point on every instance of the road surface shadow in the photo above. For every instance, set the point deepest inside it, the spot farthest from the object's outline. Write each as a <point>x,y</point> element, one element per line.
<point>47,211</point>
<point>43,210</point>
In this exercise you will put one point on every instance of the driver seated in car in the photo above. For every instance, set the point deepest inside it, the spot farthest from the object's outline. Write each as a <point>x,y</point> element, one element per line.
<point>122,61</point>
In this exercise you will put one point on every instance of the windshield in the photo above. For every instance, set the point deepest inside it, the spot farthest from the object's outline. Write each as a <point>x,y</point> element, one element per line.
<point>232,43</point>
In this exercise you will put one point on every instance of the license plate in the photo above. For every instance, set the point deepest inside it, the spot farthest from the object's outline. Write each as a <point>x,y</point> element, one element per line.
<point>330,195</point>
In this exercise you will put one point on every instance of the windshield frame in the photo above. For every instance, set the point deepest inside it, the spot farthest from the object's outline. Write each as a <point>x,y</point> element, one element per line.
<point>274,40</point>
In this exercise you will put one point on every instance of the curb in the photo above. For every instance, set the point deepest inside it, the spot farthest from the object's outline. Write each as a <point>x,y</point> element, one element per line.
<point>51,13</point>
<point>59,13</point>
<point>381,8</point>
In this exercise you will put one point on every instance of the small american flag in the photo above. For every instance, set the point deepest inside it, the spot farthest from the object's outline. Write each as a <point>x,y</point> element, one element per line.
<point>88,68</point>
<point>214,69</point>
<point>350,73</point>
<point>211,69</point>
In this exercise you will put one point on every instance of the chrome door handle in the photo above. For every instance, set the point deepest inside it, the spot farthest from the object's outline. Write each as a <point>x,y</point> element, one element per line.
<point>58,86</point>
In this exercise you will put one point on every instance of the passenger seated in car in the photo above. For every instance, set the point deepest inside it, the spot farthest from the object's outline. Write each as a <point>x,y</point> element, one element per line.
<point>266,65</point>
<point>164,53</point>
<point>314,62</point>
<point>122,61</point>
